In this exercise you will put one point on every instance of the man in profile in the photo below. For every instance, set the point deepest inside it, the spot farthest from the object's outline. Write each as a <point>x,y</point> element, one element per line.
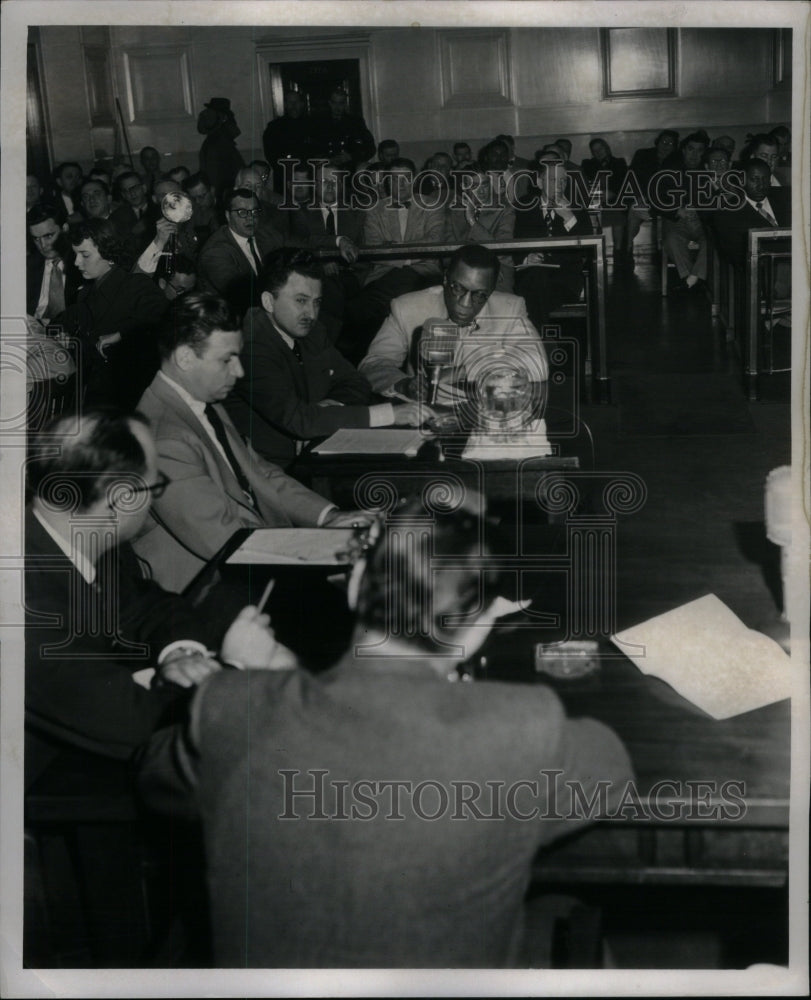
<point>95,626</point>
<point>217,484</point>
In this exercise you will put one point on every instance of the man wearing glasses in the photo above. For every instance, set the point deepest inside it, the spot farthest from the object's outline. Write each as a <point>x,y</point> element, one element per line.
<point>466,307</point>
<point>97,631</point>
<point>232,259</point>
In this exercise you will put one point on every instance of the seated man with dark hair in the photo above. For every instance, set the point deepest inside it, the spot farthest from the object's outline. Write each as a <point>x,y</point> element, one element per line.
<point>646,162</point>
<point>232,259</point>
<point>484,320</point>
<point>297,386</point>
<point>95,627</point>
<point>95,199</point>
<point>683,236</point>
<point>379,781</point>
<point>605,173</point>
<point>131,217</point>
<point>206,216</point>
<point>183,278</point>
<point>396,218</point>
<point>217,483</point>
<point>548,278</point>
<point>68,180</point>
<point>51,278</point>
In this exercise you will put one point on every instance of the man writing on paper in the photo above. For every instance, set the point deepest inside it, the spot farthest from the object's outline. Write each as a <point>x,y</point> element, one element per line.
<point>297,386</point>
<point>216,483</point>
<point>466,306</point>
<point>93,622</point>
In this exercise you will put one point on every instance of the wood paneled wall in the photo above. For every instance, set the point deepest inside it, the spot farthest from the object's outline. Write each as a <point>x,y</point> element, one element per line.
<point>427,87</point>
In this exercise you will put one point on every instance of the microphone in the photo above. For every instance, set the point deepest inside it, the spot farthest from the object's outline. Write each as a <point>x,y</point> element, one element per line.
<point>437,351</point>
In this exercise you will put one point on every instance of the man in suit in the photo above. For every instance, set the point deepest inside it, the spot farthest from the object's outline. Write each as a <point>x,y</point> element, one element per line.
<point>341,138</point>
<point>131,218</point>
<point>232,259</point>
<point>552,277</point>
<point>51,280</point>
<point>683,235</point>
<point>764,206</point>
<point>68,180</point>
<point>96,629</point>
<point>287,137</point>
<point>219,157</point>
<point>481,319</point>
<point>297,386</point>
<point>398,217</point>
<point>217,483</point>
<point>325,225</point>
<point>421,803</point>
<point>607,172</point>
<point>644,164</point>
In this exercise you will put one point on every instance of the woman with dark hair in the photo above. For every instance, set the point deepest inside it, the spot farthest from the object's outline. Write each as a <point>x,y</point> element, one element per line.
<point>403,764</point>
<point>113,319</point>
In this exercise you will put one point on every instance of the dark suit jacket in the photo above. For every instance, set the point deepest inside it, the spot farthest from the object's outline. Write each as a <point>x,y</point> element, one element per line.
<point>34,269</point>
<point>204,504</point>
<point>732,226</point>
<point>137,233</point>
<point>78,676</point>
<point>405,892</point>
<point>129,304</point>
<point>276,403</point>
<point>530,222</point>
<point>223,268</point>
<point>307,225</point>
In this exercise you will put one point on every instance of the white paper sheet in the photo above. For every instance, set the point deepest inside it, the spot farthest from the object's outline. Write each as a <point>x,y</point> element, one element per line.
<point>372,441</point>
<point>296,546</point>
<point>707,654</point>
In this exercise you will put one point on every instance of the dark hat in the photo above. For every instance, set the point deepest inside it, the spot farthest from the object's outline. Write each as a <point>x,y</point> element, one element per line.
<point>219,104</point>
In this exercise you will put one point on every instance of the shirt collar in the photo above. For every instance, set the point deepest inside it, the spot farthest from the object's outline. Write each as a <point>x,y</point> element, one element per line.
<point>79,559</point>
<point>242,241</point>
<point>764,203</point>
<point>195,405</point>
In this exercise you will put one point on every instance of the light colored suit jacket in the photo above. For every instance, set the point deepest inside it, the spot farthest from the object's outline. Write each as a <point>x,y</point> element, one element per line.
<point>382,225</point>
<point>203,505</point>
<point>503,322</point>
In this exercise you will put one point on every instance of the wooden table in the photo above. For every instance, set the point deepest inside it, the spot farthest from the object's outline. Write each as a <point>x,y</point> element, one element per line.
<point>718,835</point>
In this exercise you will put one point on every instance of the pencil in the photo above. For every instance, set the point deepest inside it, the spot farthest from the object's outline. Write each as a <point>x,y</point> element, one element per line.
<point>266,594</point>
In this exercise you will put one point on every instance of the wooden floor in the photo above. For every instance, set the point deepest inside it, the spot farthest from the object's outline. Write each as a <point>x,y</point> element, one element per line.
<point>701,528</point>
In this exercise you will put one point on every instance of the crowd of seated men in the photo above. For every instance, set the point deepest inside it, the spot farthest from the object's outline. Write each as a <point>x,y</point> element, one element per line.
<point>205,351</point>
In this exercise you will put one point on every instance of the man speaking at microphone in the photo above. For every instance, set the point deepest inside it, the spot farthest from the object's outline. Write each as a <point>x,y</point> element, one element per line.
<point>465,306</point>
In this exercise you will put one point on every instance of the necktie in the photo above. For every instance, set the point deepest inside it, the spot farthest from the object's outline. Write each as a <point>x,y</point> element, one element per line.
<point>56,292</point>
<point>765,213</point>
<point>548,218</point>
<point>257,260</point>
<point>296,348</point>
<point>331,230</point>
<point>219,429</point>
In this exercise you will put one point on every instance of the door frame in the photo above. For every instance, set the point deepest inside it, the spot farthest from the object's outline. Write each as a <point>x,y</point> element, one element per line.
<point>314,48</point>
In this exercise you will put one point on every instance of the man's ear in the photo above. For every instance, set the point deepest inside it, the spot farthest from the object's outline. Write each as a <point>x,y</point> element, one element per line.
<point>267,302</point>
<point>184,357</point>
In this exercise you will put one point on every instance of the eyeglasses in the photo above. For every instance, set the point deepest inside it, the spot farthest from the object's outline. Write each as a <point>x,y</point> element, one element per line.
<point>156,490</point>
<point>458,291</point>
<point>243,213</point>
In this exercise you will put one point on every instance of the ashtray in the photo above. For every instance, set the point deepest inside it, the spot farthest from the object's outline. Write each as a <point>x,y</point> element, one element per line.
<point>567,660</point>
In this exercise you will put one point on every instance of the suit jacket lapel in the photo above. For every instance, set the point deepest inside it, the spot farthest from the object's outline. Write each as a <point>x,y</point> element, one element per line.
<point>229,483</point>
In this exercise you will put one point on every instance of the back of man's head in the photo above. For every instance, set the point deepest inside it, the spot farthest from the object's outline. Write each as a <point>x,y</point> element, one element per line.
<point>401,583</point>
<point>95,452</point>
<point>192,321</point>
<point>44,211</point>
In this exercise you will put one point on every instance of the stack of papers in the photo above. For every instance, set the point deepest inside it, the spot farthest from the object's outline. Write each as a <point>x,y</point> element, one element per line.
<point>707,654</point>
<point>372,441</point>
